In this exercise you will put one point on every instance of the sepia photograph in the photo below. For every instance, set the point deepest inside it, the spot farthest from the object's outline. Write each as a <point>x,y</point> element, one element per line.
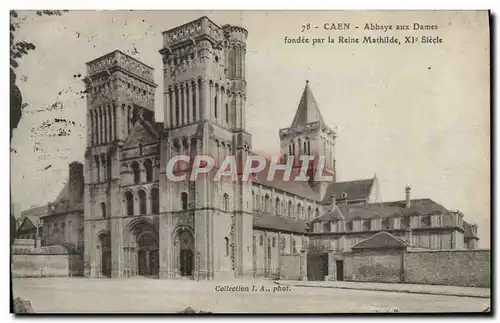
<point>250,161</point>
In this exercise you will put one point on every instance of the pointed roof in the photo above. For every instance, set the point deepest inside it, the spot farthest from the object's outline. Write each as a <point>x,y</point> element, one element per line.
<point>381,240</point>
<point>308,110</point>
<point>142,132</point>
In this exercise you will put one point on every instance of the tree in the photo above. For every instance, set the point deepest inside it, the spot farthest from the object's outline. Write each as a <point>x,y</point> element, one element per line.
<point>18,49</point>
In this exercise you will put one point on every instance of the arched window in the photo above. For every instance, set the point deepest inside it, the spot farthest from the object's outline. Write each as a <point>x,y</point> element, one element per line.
<point>317,213</point>
<point>258,202</point>
<point>96,158</point>
<point>294,246</point>
<point>184,200</point>
<point>267,204</point>
<point>140,149</point>
<point>226,243</point>
<point>290,209</point>
<point>103,210</point>
<point>227,112</point>
<point>309,213</point>
<point>108,167</point>
<point>155,200</point>
<point>215,104</point>
<point>261,242</point>
<point>148,165</point>
<point>130,203</point>
<point>225,200</point>
<point>277,206</point>
<point>299,209</point>
<point>142,202</point>
<point>137,172</point>
<point>274,242</point>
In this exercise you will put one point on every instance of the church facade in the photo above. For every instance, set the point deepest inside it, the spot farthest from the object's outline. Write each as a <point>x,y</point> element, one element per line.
<point>138,222</point>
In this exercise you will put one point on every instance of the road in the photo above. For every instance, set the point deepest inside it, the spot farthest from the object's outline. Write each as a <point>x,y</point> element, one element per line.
<point>143,295</point>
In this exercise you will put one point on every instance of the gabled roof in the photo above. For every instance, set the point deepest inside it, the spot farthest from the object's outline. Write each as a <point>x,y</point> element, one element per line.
<point>355,190</point>
<point>333,215</point>
<point>381,240</point>
<point>35,211</point>
<point>142,132</point>
<point>29,222</point>
<point>279,223</point>
<point>308,110</point>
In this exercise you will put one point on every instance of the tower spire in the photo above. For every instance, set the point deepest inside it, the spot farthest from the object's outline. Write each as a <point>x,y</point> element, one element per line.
<point>308,110</point>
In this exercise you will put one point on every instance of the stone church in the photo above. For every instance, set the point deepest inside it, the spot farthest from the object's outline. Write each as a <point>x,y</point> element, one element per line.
<point>137,222</point>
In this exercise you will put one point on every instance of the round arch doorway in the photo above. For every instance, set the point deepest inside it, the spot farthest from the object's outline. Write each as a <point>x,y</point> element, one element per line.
<point>105,246</point>
<point>185,249</point>
<point>147,257</point>
<point>142,256</point>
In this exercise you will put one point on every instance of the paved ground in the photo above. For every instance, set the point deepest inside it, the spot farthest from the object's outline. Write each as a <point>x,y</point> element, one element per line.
<point>401,288</point>
<point>143,295</point>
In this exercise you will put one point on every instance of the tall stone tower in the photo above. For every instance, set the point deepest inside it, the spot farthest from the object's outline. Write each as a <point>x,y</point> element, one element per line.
<point>120,88</point>
<point>206,226</point>
<point>309,135</point>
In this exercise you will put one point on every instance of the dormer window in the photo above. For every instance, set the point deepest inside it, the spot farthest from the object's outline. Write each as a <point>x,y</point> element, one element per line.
<point>367,225</point>
<point>348,226</point>
<point>326,227</point>
<point>386,224</point>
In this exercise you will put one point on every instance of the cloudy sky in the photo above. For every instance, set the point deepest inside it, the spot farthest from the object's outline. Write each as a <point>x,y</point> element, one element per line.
<point>413,114</point>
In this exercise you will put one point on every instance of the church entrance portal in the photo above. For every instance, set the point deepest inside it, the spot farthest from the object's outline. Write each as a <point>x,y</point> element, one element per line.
<point>142,249</point>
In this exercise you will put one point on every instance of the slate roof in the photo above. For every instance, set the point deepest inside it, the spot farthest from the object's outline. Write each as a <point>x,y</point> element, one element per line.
<point>35,212</point>
<point>307,110</point>
<point>387,210</point>
<point>279,223</point>
<point>358,189</point>
<point>381,240</point>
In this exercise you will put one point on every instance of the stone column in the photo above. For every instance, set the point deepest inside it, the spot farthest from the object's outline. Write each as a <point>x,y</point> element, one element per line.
<point>175,109</point>
<point>168,113</point>
<point>196,101</point>
<point>189,102</point>
<point>184,104</point>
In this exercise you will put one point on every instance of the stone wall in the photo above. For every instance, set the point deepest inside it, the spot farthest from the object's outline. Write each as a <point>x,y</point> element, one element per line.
<point>290,267</point>
<point>448,267</point>
<point>384,266</point>
<point>53,261</point>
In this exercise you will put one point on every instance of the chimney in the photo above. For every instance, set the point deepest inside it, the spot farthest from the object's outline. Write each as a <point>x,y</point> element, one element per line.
<point>408,191</point>
<point>75,184</point>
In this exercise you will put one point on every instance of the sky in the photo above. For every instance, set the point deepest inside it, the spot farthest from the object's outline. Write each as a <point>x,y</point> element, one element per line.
<point>415,115</point>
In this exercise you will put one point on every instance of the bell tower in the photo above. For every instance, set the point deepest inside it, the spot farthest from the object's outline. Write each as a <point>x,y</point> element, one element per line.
<point>204,108</point>
<point>309,135</point>
<point>119,89</point>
